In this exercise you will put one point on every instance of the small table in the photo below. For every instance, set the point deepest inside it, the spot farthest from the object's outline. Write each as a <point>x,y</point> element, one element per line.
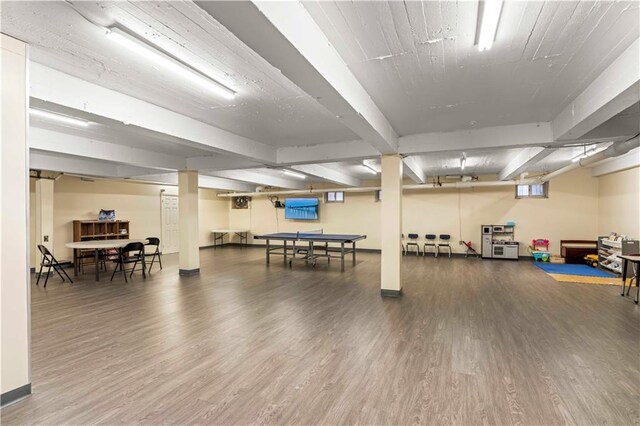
<point>634,259</point>
<point>218,235</point>
<point>98,245</point>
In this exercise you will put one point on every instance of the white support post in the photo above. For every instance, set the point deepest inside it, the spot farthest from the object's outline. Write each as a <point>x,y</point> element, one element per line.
<point>189,257</point>
<point>15,376</point>
<point>44,214</point>
<point>391,226</point>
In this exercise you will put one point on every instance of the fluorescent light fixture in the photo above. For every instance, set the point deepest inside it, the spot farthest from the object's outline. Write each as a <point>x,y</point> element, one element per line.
<point>160,59</point>
<point>370,167</point>
<point>588,152</point>
<point>58,117</point>
<point>463,161</point>
<point>489,24</point>
<point>294,174</point>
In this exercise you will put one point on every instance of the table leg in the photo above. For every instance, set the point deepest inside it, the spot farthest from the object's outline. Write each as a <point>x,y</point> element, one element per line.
<point>144,264</point>
<point>354,253</point>
<point>342,256</point>
<point>75,262</point>
<point>268,248</point>
<point>313,256</point>
<point>285,251</point>
<point>97,255</point>
<point>624,275</point>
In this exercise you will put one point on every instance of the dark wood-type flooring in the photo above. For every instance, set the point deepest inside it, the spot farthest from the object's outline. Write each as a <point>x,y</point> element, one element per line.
<point>470,342</point>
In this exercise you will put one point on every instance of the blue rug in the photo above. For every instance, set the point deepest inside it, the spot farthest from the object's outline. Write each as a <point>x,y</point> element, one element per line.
<point>569,269</point>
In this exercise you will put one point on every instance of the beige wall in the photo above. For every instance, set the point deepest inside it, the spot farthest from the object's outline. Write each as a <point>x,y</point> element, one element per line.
<point>75,198</point>
<point>619,203</point>
<point>570,212</point>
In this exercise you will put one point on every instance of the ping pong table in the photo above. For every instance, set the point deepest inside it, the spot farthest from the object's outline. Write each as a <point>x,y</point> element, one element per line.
<point>308,238</point>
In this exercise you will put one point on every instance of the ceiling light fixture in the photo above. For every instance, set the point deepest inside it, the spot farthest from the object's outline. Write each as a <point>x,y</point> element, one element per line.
<point>463,161</point>
<point>167,62</point>
<point>58,117</point>
<point>588,152</point>
<point>491,10</point>
<point>370,167</point>
<point>294,174</point>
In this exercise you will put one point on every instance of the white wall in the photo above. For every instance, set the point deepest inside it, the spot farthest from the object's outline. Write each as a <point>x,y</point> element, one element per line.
<point>570,212</point>
<point>619,203</point>
<point>14,289</point>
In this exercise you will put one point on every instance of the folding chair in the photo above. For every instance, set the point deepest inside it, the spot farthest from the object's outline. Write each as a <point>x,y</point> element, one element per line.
<point>413,242</point>
<point>153,241</point>
<point>431,242</point>
<point>444,243</point>
<point>125,257</point>
<point>50,262</point>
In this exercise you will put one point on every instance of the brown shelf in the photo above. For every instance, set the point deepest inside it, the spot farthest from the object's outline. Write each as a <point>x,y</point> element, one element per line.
<point>84,230</point>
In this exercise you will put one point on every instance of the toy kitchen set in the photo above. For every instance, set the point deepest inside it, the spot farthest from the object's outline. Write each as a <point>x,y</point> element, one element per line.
<point>498,242</point>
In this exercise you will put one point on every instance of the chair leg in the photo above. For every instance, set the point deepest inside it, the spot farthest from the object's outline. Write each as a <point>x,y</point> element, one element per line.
<point>39,273</point>
<point>65,274</point>
<point>47,279</point>
<point>55,268</point>
<point>124,273</point>
<point>153,259</point>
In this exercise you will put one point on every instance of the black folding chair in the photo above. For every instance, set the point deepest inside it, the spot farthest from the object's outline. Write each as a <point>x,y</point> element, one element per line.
<point>131,253</point>
<point>153,241</point>
<point>49,262</point>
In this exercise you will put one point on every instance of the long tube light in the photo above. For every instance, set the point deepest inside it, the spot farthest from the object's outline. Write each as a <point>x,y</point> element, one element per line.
<point>160,59</point>
<point>294,174</point>
<point>489,25</point>
<point>588,152</point>
<point>370,167</point>
<point>58,117</point>
<point>463,161</point>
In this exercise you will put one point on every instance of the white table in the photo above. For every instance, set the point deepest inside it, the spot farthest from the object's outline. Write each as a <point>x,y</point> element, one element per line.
<point>98,245</point>
<point>218,235</point>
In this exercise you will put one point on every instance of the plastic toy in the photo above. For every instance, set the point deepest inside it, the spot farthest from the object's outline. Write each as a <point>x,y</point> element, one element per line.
<point>591,260</point>
<point>539,249</point>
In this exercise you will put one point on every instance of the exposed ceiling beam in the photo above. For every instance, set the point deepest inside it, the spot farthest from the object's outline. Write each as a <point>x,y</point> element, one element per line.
<point>51,141</point>
<point>617,164</point>
<point>352,150</point>
<point>81,166</point>
<point>207,182</point>
<point>258,178</point>
<point>54,86</point>
<point>286,36</point>
<point>616,89</point>
<point>413,169</point>
<point>620,127</point>
<point>220,162</point>
<point>526,158</point>
<point>512,136</point>
<point>327,173</point>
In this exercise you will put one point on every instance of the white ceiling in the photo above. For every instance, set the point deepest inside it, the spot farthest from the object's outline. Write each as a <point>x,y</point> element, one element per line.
<point>419,63</point>
<point>268,107</point>
<point>416,61</point>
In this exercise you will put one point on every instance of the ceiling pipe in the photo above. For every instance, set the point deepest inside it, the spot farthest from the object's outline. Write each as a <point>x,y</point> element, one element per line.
<point>615,150</point>
<point>420,186</point>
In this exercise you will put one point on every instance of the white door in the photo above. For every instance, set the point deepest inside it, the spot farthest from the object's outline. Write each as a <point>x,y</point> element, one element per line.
<point>170,242</point>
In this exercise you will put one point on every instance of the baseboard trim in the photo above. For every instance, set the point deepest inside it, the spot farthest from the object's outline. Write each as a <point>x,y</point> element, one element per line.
<point>189,272</point>
<point>390,293</point>
<point>15,395</point>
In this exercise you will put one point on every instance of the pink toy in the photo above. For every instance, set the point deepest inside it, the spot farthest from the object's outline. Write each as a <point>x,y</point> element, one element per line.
<point>540,244</point>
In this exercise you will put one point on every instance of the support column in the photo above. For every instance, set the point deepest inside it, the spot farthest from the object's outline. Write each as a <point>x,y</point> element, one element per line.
<point>188,219</point>
<point>44,213</point>
<point>391,224</point>
<point>15,376</point>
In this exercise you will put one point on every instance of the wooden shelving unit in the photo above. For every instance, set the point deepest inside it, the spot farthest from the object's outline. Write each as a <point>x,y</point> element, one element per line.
<point>85,230</point>
<point>609,249</point>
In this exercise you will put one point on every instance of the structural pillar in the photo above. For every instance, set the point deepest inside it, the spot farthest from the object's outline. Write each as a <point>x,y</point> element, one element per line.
<point>188,220</point>
<point>391,224</point>
<point>15,376</point>
<point>44,213</point>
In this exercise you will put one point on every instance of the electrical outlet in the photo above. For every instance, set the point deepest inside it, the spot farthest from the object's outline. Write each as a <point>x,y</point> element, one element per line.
<point>46,238</point>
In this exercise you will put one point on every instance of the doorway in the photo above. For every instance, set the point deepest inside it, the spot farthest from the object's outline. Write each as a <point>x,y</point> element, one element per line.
<point>170,242</point>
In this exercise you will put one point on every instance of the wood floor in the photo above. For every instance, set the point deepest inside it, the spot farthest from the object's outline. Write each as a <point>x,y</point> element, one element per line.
<point>470,342</point>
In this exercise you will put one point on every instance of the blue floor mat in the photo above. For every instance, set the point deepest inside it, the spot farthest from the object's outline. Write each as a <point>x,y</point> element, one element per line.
<point>569,269</point>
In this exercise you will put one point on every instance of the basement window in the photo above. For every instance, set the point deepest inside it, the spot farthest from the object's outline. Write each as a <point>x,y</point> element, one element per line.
<point>536,190</point>
<point>334,197</point>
